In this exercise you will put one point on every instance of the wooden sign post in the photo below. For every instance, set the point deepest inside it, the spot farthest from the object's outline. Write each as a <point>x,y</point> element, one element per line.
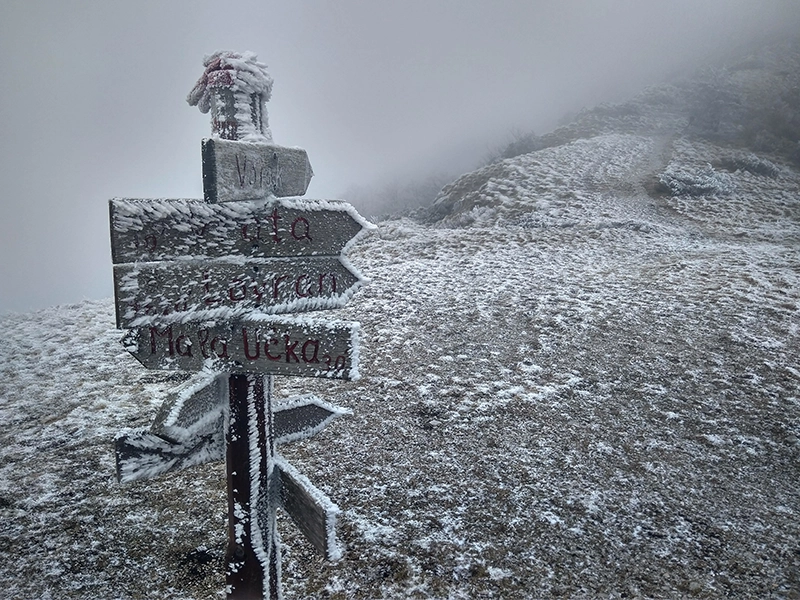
<point>200,285</point>
<point>179,259</point>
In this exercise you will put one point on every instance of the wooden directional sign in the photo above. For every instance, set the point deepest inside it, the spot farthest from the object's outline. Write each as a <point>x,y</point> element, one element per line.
<point>274,345</point>
<point>171,291</point>
<point>310,509</point>
<point>144,455</point>
<point>189,428</point>
<point>188,409</point>
<point>157,230</point>
<point>200,400</point>
<point>301,417</point>
<point>234,170</point>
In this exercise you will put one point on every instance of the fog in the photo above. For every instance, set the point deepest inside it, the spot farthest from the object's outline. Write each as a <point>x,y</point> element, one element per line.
<point>93,102</point>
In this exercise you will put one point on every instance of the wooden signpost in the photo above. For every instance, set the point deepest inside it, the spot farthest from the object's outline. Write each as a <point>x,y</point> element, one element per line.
<point>277,285</point>
<point>241,171</point>
<point>202,286</point>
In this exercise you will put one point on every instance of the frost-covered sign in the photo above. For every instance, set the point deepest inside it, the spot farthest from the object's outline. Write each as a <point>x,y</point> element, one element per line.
<point>161,230</point>
<point>179,260</point>
<point>277,346</point>
<point>244,170</point>
<point>201,287</point>
<point>180,290</point>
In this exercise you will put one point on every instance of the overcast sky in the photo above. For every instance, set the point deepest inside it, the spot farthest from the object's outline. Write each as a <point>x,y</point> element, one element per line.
<point>93,97</point>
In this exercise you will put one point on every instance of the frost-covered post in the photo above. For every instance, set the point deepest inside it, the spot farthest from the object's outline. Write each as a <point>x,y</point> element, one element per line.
<point>205,286</point>
<point>235,88</point>
<point>253,556</point>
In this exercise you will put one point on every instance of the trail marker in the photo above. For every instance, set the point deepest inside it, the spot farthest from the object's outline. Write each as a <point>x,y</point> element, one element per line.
<point>160,230</point>
<point>273,345</point>
<point>197,401</point>
<point>169,447</point>
<point>199,286</point>
<point>176,290</point>
<point>243,170</point>
<point>144,455</point>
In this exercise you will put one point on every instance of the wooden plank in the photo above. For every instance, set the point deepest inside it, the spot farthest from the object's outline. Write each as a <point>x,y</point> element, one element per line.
<point>310,509</point>
<point>170,291</point>
<point>191,406</point>
<point>155,230</point>
<point>276,345</point>
<point>144,455</point>
<point>234,170</point>
<point>301,417</point>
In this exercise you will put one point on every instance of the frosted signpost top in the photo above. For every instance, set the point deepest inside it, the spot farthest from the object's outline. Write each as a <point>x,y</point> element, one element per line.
<point>240,162</point>
<point>235,88</point>
<point>208,286</point>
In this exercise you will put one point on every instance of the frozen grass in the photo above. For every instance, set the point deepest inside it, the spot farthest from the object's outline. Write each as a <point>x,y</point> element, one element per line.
<point>558,402</point>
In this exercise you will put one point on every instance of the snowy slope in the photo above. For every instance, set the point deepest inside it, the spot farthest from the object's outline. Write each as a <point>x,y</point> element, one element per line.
<point>592,390</point>
<point>631,181</point>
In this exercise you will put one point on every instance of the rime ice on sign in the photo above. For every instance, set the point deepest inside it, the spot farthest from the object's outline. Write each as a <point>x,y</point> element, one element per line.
<point>197,284</point>
<point>244,170</point>
<point>178,260</point>
<point>188,430</point>
<point>161,230</point>
<point>268,345</point>
<point>235,88</point>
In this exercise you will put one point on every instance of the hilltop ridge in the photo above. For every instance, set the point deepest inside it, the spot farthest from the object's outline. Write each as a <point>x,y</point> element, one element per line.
<point>725,131</point>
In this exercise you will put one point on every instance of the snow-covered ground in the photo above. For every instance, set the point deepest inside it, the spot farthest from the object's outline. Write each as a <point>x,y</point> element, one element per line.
<point>571,388</point>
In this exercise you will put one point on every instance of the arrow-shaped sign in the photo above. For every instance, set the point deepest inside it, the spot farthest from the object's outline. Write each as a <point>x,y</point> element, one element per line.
<point>273,345</point>
<point>189,428</point>
<point>301,417</point>
<point>172,291</point>
<point>234,170</point>
<point>156,230</point>
<point>144,455</point>
<point>196,283</point>
<point>188,409</point>
<point>202,398</point>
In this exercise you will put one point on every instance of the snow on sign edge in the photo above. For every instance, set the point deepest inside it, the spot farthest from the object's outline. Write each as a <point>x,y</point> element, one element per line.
<point>333,548</point>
